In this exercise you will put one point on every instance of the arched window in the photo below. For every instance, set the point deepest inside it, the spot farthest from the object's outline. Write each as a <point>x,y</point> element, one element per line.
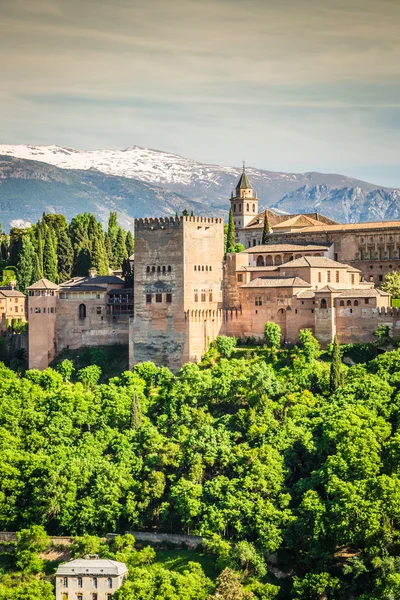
<point>248,207</point>
<point>202,267</point>
<point>153,269</point>
<point>210,268</point>
<point>254,208</point>
<point>234,208</point>
<point>355,302</point>
<point>147,269</point>
<point>65,582</point>
<point>348,303</point>
<point>206,267</point>
<point>195,267</point>
<point>95,582</point>
<point>158,269</point>
<point>80,582</point>
<point>169,269</point>
<point>109,583</point>
<point>341,303</point>
<point>82,311</point>
<point>323,303</point>
<point>260,261</point>
<point>163,269</point>
<point>240,207</point>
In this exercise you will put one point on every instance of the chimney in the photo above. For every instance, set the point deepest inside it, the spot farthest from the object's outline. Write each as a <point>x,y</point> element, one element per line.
<point>92,273</point>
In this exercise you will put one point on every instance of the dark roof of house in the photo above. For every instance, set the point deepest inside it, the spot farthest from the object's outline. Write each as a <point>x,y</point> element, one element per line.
<point>43,284</point>
<point>273,282</point>
<point>128,291</point>
<point>275,219</point>
<point>244,182</point>
<point>11,294</point>
<point>316,262</point>
<point>82,288</point>
<point>262,249</point>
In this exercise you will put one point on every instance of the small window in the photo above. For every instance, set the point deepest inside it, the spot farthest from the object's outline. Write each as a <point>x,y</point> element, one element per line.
<point>210,269</point>
<point>248,207</point>
<point>148,298</point>
<point>164,270</point>
<point>196,296</point>
<point>380,277</point>
<point>355,302</point>
<point>65,582</point>
<point>240,278</point>
<point>258,301</point>
<point>203,295</point>
<point>147,269</point>
<point>319,277</point>
<point>337,276</point>
<point>79,597</point>
<point>158,297</point>
<point>153,269</point>
<point>95,582</point>
<point>82,311</point>
<point>80,582</point>
<point>195,267</point>
<point>202,267</point>
<point>348,302</point>
<point>169,269</point>
<point>98,310</point>
<point>254,208</point>
<point>158,269</point>
<point>109,583</point>
<point>168,298</point>
<point>37,310</point>
<point>94,596</point>
<point>341,303</point>
<point>323,302</point>
<point>234,208</point>
<point>206,267</point>
<point>352,279</point>
<point>328,276</point>
<point>366,301</point>
<point>210,296</point>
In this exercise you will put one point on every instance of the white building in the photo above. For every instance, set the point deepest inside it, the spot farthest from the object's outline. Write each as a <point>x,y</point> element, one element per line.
<point>90,578</point>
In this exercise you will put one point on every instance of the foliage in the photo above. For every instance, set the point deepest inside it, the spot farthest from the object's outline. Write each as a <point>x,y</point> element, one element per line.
<point>382,331</point>
<point>225,345</point>
<point>266,229</point>
<point>391,284</point>
<point>309,345</point>
<point>336,373</point>
<point>230,236</point>
<point>26,264</point>
<point>272,333</point>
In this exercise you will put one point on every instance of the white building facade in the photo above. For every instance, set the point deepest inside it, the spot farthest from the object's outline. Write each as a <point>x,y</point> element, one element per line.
<point>91,578</point>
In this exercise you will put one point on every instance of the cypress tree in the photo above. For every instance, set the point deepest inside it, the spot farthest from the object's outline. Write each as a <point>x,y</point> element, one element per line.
<point>108,247</point>
<point>129,243</point>
<point>192,214</point>
<point>266,229</point>
<point>127,273</point>
<point>136,413</point>
<point>230,238</point>
<point>65,256</point>
<point>81,251</point>
<point>120,252</point>
<point>336,374</point>
<point>40,245</point>
<point>112,233</point>
<point>26,263</point>
<point>185,213</point>
<point>98,254</point>
<point>37,271</point>
<point>49,257</point>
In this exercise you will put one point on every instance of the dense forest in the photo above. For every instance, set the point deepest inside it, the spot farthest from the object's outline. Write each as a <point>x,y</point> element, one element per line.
<point>286,461</point>
<point>56,250</point>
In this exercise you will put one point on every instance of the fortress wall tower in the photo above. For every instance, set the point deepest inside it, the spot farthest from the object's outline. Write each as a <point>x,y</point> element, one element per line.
<point>42,308</point>
<point>178,277</point>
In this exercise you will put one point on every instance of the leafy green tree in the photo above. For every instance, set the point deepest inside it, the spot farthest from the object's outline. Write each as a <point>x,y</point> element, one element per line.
<point>89,376</point>
<point>272,333</point>
<point>65,256</point>
<point>136,412</point>
<point>266,229</point>
<point>49,258</point>
<point>66,368</point>
<point>185,212</point>
<point>225,345</point>
<point>336,373</point>
<point>129,243</point>
<point>26,263</point>
<point>230,237</point>
<point>391,284</point>
<point>30,542</point>
<point>309,345</point>
<point>381,332</point>
<point>229,587</point>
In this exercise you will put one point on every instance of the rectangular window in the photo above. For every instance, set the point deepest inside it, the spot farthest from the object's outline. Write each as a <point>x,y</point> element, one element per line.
<point>337,276</point>
<point>240,278</point>
<point>37,310</point>
<point>203,295</point>
<point>380,277</point>
<point>16,309</point>
<point>98,310</point>
<point>168,298</point>
<point>371,254</point>
<point>158,298</point>
<point>390,250</point>
<point>352,279</point>
<point>258,301</point>
<point>148,298</point>
<point>94,596</point>
<point>210,296</point>
<point>196,295</point>
<point>362,253</point>
<point>65,582</point>
<point>52,309</point>
<point>328,276</point>
<point>79,597</point>
<point>319,277</point>
<point>366,301</point>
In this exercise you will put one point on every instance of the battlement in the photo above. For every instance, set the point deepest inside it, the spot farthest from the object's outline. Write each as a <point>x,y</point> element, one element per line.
<point>151,223</point>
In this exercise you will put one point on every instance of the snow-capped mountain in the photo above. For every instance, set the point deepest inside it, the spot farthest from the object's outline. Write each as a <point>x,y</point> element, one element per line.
<point>143,182</point>
<point>207,183</point>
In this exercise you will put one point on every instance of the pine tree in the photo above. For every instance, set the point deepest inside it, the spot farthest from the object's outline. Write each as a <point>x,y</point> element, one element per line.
<point>336,373</point>
<point>230,238</point>
<point>37,271</point>
<point>120,252</point>
<point>65,256</point>
<point>136,412</point>
<point>49,257</point>
<point>40,245</point>
<point>185,213</point>
<point>266,229</point>
<point>192,214</point>
<point>98,254</point>
<point>129,243</point>
<point>109,251</point>
<point>81,251</point>
<point>112,234</point>
<point>26,263</point>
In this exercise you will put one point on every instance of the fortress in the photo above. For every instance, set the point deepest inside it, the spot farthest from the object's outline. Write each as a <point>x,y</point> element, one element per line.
<point>312,273</point>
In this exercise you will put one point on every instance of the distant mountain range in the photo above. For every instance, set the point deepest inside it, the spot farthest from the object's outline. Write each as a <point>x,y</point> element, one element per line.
<point>141,182</point>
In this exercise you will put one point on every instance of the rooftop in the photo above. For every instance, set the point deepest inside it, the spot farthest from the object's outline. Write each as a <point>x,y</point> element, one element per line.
<point>316,262</point>
<point>286,248</point>
<point>351,226</point>
<point>274,282</point>
<point>244,182</point>
<point>43,284</point>
<point>91,566</point>
<point>275,219</point>
<point>11,294</point>
<point>96,280</point>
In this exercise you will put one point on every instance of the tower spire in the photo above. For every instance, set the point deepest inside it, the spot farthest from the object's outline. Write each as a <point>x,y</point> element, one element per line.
<point>244,181</point>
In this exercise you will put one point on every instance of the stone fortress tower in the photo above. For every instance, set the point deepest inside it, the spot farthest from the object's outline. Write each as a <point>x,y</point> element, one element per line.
<point>177,289</point>
<point>244,203</point>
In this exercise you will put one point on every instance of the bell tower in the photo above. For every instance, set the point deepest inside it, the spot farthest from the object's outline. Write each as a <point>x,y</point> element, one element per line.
<point>244,203</point>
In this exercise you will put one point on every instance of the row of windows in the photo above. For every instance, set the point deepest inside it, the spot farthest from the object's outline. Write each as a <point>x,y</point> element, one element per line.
<point>380,255</point>
<point>202,267</point>
<point>52,310</point>
<point>159,298</point>
<point>247,208</point>
<point>94,582</point>
<point>258,301</point>
<point>94,596</point>
<point>373,238</point>
<point>41,292</point>
<point>158,269</point>
<point>80,296</point>
<point>203,295</point>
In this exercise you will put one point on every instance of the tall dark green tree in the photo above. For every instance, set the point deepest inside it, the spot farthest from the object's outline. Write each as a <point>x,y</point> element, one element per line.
<point>65,256</point>
<point>37,271</point>
<point>266,229</point>
<point>230,238</point>
<point>26,263</point>
<point>185,213</point>
<point>136,412</point>
<point>49,257</point>
<point>127,273</point>
<point>81,247</point>
<point>98,254</point>
<point>120,253</point>
<point>129,243</point>
<point>40,233</point>
<point>336,373</point>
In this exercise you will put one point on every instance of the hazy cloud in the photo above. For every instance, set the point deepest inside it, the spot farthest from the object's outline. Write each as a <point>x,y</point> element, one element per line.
<point>290,84</point>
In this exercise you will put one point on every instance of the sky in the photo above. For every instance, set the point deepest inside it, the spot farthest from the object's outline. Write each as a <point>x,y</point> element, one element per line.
<point>287,85</point>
